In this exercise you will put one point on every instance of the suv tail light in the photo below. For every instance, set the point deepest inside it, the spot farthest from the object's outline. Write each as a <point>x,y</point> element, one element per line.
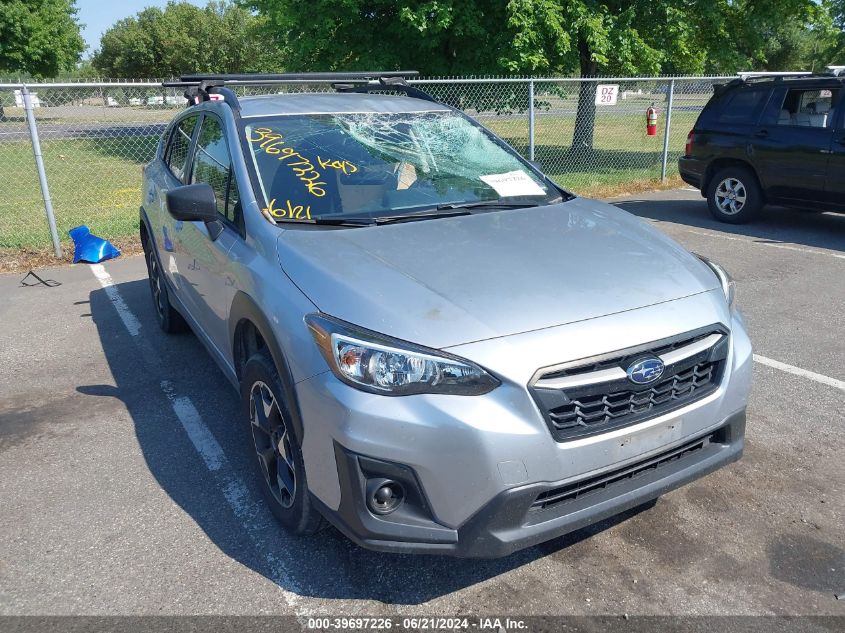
<point>690,141</point>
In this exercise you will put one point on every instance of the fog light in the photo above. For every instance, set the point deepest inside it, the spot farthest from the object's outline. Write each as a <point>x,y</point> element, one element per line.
<point>384,495</point>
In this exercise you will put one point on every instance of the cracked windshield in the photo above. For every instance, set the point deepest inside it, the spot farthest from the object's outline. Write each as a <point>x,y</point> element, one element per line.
<point>370,165</point>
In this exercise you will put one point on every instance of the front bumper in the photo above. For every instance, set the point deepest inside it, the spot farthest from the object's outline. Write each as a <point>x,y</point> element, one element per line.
<point>480,463</point>
<point>515,519</point>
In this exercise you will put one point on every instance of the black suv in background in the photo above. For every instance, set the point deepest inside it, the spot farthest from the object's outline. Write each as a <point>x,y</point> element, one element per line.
<point>778,140</point>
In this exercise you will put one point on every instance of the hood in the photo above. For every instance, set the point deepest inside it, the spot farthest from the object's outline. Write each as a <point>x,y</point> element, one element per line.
<point>450,281</point>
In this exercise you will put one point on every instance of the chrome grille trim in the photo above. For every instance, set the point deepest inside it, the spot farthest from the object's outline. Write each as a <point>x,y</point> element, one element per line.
<point>596,377</point>
<point>675,356</point>
<point>617,373</point>
<point>594,395</point>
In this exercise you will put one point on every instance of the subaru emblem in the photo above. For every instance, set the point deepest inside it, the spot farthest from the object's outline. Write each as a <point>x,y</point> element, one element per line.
<point>645,371</point>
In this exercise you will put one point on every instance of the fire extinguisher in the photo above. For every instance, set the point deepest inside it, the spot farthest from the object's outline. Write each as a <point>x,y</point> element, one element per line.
<point>651,121</point>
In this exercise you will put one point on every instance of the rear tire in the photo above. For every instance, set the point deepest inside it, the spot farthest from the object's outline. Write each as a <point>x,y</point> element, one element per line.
<point>169,319</point>
<point>278,457</point>
<point>734,196</point>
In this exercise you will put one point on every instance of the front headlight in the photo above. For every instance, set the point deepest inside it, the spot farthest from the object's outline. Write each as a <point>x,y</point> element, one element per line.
<point>725,280</point>
<point>379,364</point>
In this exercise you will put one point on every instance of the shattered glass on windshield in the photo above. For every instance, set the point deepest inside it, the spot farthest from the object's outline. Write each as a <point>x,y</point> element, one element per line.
<point>371,164</point>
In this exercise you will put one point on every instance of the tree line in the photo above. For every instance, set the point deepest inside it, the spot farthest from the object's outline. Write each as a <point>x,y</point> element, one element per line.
<point>41,38</point>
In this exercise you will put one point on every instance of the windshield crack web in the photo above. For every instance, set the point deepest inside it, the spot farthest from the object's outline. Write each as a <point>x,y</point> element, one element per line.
<point>377,163</point>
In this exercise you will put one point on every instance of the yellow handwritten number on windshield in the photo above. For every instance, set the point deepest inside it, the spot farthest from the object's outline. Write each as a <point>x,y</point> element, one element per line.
<point>302,168</point>
<point>289,211</point>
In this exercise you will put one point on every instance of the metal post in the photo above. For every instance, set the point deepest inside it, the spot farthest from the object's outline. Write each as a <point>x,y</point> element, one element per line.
<point>39,165</point>
<point>531,120</point>
<point>666,131</point>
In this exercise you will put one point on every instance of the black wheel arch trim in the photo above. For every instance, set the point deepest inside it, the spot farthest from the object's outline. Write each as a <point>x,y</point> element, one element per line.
<point>244,308</point>
<point>721,162</point>
<point>145,220</point>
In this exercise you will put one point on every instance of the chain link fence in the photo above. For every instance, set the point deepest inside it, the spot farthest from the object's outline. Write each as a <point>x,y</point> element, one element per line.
<point>94,139</point>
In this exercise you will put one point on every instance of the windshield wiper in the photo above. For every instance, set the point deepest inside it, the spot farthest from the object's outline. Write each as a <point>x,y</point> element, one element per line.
<point>413,217</point>
<point>443,211</point>
<point>491,204</point>
<point>343,221</point>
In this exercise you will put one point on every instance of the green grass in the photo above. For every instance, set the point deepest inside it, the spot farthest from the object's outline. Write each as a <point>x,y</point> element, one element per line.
<point>98,181</point>
<point>92,181</point>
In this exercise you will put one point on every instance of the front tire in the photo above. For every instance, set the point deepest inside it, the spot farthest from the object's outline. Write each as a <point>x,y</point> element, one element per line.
<point>278,457</point>
<point>734,196</point>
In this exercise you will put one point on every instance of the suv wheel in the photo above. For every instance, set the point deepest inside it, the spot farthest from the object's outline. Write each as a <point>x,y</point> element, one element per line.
<point>733,195</point>
<point>277,453</point>
<point>167,316</point>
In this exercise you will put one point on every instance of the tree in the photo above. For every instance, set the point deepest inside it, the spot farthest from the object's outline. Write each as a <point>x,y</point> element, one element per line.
<point>39,37</point>
<point>836,9</point>
<point>642,37</point>
<point>183,38</point>
<point>476,37</point>
<point>438,37</point>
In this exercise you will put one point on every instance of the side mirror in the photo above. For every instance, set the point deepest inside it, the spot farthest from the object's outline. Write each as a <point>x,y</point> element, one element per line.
<point>193,203</point>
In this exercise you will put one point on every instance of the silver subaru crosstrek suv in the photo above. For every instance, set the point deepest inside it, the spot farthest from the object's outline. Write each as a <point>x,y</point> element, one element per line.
<point>437,348</point>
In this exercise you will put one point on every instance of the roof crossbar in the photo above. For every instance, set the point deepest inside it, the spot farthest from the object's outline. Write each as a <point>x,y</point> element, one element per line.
<point>358,76</point>
<point>200,88</point>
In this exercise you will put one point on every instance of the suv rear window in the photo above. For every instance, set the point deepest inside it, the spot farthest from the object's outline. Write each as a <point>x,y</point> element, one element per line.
<point>743,106</point>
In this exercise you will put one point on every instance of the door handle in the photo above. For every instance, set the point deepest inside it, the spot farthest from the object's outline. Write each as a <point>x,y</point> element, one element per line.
<point>840,140</point>
<point>762,133</point>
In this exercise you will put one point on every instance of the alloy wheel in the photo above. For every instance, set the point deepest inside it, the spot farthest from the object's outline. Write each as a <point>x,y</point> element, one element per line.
<point>730,196</point>
<point>272,442</point>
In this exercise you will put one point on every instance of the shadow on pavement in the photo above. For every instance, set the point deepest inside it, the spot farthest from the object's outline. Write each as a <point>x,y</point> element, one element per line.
<point>774,224</point>
<point>325,565</point>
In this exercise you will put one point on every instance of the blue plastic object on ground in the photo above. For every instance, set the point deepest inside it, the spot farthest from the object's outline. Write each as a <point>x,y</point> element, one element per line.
<point>90,248</point>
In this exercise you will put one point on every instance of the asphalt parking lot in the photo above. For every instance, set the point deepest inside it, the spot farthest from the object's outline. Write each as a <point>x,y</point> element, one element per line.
<point>126,483</point>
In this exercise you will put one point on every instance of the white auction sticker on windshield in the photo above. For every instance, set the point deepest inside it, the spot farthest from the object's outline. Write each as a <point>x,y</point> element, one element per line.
<point>513,183</point>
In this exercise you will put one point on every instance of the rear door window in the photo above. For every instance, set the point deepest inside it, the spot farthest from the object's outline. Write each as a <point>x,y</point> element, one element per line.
<point>808,108</point>
<point>176,153</point>
<point>743,106</point>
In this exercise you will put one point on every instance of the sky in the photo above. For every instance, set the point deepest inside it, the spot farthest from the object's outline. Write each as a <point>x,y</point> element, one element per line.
<point>98,15</point>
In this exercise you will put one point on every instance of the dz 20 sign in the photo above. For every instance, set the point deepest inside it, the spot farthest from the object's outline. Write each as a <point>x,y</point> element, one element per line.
<point>606,94</point>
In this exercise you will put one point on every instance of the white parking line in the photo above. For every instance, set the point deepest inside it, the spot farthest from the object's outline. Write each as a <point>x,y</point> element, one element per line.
<point>133,325</point>
<point>249,512</point>
<point>791,369</point>
<point>733,238</point>
<point>202,439</point>
<point>244,507</point>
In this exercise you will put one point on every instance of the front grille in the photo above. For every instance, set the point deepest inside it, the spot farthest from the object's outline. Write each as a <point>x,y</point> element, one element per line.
<point>595,409</point>
<point>579,489</point>
<point>578,403</point>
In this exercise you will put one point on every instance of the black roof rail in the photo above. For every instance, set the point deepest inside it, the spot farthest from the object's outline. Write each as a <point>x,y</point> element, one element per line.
<point>202,87</point>
<point>298,77</point>
<point>386,83</point>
